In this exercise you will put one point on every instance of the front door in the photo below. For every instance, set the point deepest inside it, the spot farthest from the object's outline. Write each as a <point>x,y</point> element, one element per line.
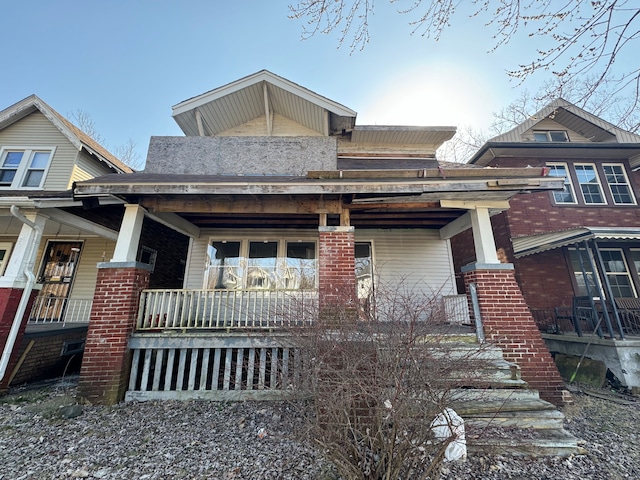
<point>56,276</point>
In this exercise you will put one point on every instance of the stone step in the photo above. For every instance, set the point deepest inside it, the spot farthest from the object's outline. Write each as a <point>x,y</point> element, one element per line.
<point>524,415</point>
<point>523,442</point>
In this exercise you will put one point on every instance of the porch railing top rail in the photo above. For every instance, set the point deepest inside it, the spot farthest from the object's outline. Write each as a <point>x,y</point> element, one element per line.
<point>180,309</point>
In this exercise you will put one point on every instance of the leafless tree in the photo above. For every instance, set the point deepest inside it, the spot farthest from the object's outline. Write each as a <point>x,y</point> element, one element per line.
<point>598,37</point>
<point>127,152</point>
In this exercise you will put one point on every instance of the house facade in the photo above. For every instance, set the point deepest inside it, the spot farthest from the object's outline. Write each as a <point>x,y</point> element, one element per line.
<point>48,246</point>
<point>576,251</point>
<point>287,202</point>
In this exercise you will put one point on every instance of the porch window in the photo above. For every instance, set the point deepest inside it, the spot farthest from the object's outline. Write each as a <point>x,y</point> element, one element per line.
<point>560,170</point>
<point>618,184</point>
<point>589,184</point>
<point>261,265</point>
<point>582,272</point>
<point>364,274</point>
<point>5,251</point>
<point>617,273</point>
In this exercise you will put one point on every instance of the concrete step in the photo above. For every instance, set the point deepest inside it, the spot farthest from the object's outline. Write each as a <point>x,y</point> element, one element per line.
<point>523,442</point>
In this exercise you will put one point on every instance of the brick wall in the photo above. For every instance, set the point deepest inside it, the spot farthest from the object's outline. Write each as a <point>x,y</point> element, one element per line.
<point>508,323</point>
<point>9,301</point>
<point>336,270</point>
<point>44,360</point>
<point>106,362</point>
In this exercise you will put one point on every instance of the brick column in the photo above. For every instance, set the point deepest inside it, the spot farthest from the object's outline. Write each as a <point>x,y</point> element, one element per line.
<point>106,362</point>
<point>507,322</point>
<point>9,300</point>
<point>336,270</point>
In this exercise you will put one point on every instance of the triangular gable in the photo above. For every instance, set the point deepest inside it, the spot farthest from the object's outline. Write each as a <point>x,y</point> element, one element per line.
<point>77,137</point>
<point>573,118</point>
<point>262,93</point>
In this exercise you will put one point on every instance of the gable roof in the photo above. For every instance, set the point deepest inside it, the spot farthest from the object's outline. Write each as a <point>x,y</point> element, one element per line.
<point>77,137</point>
<point>605,139</point>
<point>250,97</point>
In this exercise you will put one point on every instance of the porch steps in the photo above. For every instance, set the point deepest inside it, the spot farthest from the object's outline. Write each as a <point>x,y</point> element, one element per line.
<point>508,417</point>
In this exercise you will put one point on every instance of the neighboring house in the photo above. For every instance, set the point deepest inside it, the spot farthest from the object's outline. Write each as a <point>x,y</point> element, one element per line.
<point>49,247</point>
<point>576,251</point>
<point>285,199</point>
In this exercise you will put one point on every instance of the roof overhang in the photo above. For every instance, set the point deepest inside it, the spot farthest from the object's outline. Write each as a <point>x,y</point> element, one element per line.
<point>532,244</point>
<point>256,95</point>
<point>405,135</point>
<point>559,150</point>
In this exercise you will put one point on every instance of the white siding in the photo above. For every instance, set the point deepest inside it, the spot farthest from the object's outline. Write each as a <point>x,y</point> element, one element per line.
<point>414,256</point>
<point>87,168</point>
<point>548,124</point>
<point>36,131</point>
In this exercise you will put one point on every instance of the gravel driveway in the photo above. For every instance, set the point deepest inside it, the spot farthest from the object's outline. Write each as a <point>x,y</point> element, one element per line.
<point>39,439</point>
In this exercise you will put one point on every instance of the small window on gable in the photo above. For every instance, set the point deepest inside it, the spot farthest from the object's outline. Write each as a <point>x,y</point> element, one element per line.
<point>550,136</point>
<point>24,167</point>
<point>566,195</point>
<point>618,183</point>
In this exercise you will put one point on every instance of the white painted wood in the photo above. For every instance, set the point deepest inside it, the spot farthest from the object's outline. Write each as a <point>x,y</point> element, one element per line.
<point>157,374</point>
<point>239,366</point>
<point>483,240</point>
<point>216,369</point>
<point>250,368</point>
<point>205,369</point>
<point>146,367</point>
<point>169,373</point>
<point>263,369</point>
<point>134,370</point>
<point>127,245</point>
<point>274,368</point>
<point>181,369</point>
<point>227,370</point>
<point>192,369</point>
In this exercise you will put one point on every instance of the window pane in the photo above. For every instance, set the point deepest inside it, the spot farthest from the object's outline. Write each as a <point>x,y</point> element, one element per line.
<point>12,159</point>
<point>40,160</point>
<point>33,178</point>
<point>261,266</point>
<point>566,196</point>
<point>617,273</point>
<point>300,271</point>
<point>540,136</point>
<point>580,262</point>
<point>558,136</point>
<point>7,176</point>
<point>589,184</point>
<point>225,266</point>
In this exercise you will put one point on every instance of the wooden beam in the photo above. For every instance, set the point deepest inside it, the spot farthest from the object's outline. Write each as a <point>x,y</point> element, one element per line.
<point>267,112</point>
<point>393,205</point>
<point>231,204</point>
<point>472,204</point>
<point>459,225</point>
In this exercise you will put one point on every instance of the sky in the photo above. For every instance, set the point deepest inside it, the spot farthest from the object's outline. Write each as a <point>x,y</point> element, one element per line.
<point>127,62</point>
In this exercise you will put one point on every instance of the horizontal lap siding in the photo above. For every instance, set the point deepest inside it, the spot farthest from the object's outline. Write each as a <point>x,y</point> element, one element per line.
<point>415,256</point>
<point>36,130</point>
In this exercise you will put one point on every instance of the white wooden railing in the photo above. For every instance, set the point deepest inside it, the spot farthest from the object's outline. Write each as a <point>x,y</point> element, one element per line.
<point>60,310</point>
<point>224,309</point>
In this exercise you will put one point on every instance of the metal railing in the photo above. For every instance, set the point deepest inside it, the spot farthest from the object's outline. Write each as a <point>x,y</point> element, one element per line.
<point>225,309</point>
<point>60,310</point>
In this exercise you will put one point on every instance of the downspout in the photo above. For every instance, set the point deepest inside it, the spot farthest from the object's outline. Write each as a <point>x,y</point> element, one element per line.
<point>26,293</point>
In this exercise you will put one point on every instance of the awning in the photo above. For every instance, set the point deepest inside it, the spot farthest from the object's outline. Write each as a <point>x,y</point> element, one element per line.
<point>532,244</point>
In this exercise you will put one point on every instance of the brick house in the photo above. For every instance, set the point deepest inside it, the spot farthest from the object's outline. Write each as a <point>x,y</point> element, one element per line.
<point>576,251</point>
<point>283,198</point>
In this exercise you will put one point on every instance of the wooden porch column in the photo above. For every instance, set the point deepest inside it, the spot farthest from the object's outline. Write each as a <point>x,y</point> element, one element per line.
<point>106,362</point>
<point>336,271</point>
<point>483,240</point>
<point>12,289</point>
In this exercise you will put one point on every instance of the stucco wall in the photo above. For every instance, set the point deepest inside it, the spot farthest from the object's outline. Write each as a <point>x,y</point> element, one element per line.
<point>241,155</point>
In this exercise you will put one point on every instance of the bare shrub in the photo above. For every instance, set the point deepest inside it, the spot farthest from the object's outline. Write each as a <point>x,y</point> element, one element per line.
<point>378,377</point>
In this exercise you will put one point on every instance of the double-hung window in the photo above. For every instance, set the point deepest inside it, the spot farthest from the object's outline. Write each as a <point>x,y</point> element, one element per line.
<point>617,272</point>
<point>589,183</point>
<point>560,170</point>
<point>618,184</point>
<point>550,136</point>
<point>24,167</point>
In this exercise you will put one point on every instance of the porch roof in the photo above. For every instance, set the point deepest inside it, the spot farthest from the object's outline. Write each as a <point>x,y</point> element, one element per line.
<point>533,244</point>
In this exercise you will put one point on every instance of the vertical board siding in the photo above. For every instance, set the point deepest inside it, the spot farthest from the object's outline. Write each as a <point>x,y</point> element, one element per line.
<point>35,130</point>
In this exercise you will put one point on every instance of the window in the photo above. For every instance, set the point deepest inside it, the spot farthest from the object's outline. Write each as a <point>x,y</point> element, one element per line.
<point>261,265</point>
<point>617,272</point>
<point>618,184</point>
<point>560,170</point>
<point>148,256</point>
<point>24,167</point>
<point>5,251</point>
<point>582,272</point>
<point>551,136</point>
<point>589,184</point>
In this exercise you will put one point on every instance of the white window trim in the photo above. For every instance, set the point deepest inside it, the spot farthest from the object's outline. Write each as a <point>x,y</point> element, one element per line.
<point>281,251</point>
<point>599,183</point>
<point>23,168</point>
<point>626,177</point>
<point>7,247</point>
<point>567,181</point>
<point>627,272</point>
<point>548,134</point>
